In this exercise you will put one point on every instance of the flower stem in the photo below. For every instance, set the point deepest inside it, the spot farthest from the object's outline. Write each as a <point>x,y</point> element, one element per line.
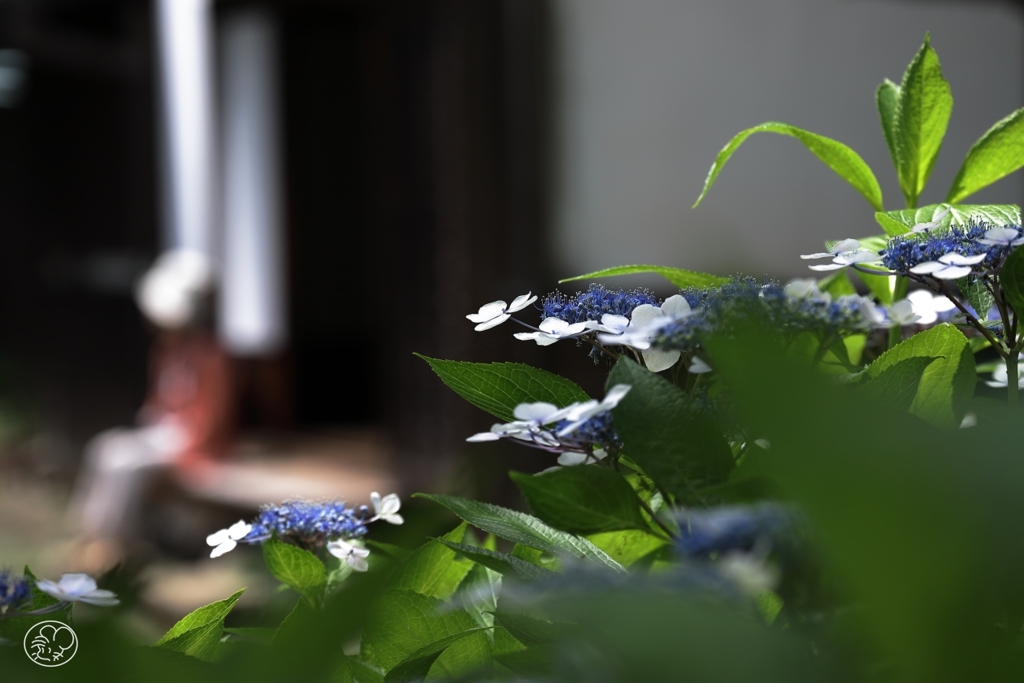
<point>1012,383</point>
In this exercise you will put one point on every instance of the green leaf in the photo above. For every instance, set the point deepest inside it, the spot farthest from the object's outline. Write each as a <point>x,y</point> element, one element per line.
<point>627,546</point>
<point>264,636</point>
<point>1011,278</point>
<point>522,528</point>
<point>530,664</point>
<point>882,286</point>
<point>677,446</point>
<point>416,666</point>
<point>680,278</point>
<point>900,222</point>
<point>836,156</point>
<point>499,387</point>
<point>886,97</point>
<point>896,386</point>
<point>478,593</point>
<point>922,111</point>
<point>433,569</point>
<point>977,294</point>
<point>996,154</point>
<point>947,384</point>
<point>198,634</point>
<point>837,284</point>
<point>585,499</point>
<point>14,628</point>
<point>531,631</point>
<point>403,624</point>
<point>502,563</point>
<point>297,568</point>
<point>364,672</point>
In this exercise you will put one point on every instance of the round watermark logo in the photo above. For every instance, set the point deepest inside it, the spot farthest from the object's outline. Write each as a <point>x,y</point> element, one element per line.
<point>51,643</point>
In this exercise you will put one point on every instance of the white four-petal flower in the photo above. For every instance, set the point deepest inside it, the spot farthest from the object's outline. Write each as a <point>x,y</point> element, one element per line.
<point>386,508</point>
<point>225,540</point>
<point>644,324</point>
<point>78,588</point>
<point>951,266</point>
<point>903,313</point>
<point>554,329</point>
<point>843,253</point>
<point>935,222</point>
<point>495,313</point>
<point>1002,237</point>
<point>352,554</point>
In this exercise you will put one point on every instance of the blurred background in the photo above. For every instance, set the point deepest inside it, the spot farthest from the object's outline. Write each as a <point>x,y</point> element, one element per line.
<point>364,174</point>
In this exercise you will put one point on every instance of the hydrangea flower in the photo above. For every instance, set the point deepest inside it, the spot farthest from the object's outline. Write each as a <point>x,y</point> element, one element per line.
<point>495,313</point>
<point>904,252</point>
<point>13,589</point>
<point>935,222</point>
<point>843,253</point>
<point>645,322</point>
<point>78,588</point>
<point>308,522</point>
<point>554,329</point>
<point>595,303</point>
<point>353,555</point>
<point>1002,237</point>
<point>225,540</point>
<point>386,508</point>
<point>951,266</point>
<point>579,431</point>
<point>903,313</point>
<point>929,307</point>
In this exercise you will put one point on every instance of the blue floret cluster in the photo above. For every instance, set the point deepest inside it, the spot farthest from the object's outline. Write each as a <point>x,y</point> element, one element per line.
<point>309,522</point>
<point>595,302</point>
<point>906,251</point>
<point>733,528</point>
<point>598,431</point>
<point>13,589</point>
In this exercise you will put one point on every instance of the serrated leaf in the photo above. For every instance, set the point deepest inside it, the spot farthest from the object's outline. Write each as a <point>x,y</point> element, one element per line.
<point>478,593</point>
<point>507,565</point>
<point>896,386</point>
<point>1011,279</point>
<point>676,446</point>
<point>296,568</point>
<point>499,387</point>
<point>585,499</point>
<point>403,623</point>
<point>416,666</point>
<point>433,569</point>
<point>198,633</point>
<point>837,156</point>
<point>901,222</point>
<point>977,294</point>
<point>996,154</point>
<point>522,528</point>
<point>947,384</point>
<point>627,546</point>
<point>923,106</point>
<point>677,276</point>
<point>885,98</point>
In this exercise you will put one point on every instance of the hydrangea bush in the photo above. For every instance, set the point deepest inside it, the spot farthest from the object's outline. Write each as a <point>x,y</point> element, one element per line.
<point>783,481</point>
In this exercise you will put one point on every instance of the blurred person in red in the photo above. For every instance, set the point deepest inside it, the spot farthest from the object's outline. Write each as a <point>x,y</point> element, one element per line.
<point>187,420</point>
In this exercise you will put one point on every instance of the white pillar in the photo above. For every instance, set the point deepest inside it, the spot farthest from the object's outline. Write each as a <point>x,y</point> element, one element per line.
<point>253,319</point>
<point>187,118</point>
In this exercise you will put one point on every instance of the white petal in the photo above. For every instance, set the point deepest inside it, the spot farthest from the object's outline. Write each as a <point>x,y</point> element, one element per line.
<point>492,323</point>
<point>534,412</point>
<point>644,314</point>
<point>953,272</point>
<point>484,436</point>
<point>999,236</point>
<point>830,266</point>
<point>615,395</point>
<point>487,312</point>
<point>526,336</point>
<point>821,254</point>
<point>698,367</point>
<point>357,563</point>
<point>390,505</point>
<point>101,598</point>
<point>575,329</point>
<point>553,325</point>
<point>844,246</point>
<point>340,548</point>
<point>927,268</point>
<point>521,302</point>
<point>932,224</point>
<point>570,459</point>
<point>657,360</point>
<point>801,288</point>
<point>239,530</point>
<point>51,589</point>
<point>218,537</point>
<point>547,339</point>
<point>614,323</point>
<point>863,256</point>
<point>393,519</point>
<point>599,454</point>
<point>77,583</point>
<point>225,547</point>
<point>955,259</point>
<point>676,306</point>
<point>375,502</point>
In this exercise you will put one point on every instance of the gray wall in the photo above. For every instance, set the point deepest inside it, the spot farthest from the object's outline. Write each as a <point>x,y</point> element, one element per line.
<point>648,91</point>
